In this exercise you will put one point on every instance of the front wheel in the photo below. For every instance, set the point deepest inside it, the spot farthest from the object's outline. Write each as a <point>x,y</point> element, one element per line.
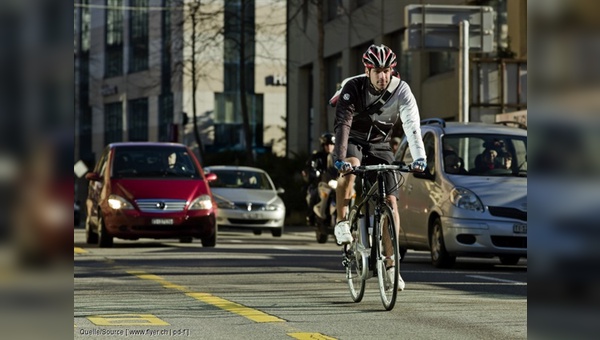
<point>90,236</point>
<point>355,263</point>
<point>209,241</point>
<point>439,256</point>
<point>277,232</point>
<point>104,239</point>
<point>388,257</point>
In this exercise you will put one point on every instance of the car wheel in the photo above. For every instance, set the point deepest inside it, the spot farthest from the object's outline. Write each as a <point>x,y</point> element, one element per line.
<point>257,231</point>
<point>439,256</point>
<point>277,232</point>
<point>187,239</point>
<point>210,241</point>
<point>509,260</point>
<point>90,236</point>
<point>104,239</point>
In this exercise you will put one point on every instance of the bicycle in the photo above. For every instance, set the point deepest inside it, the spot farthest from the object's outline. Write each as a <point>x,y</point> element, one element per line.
<point>370,251</point>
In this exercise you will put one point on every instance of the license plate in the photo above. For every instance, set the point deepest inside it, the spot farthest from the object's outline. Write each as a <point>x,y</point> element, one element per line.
<point>252,216</point>
<point>162,221</point>
<point>520,228</point>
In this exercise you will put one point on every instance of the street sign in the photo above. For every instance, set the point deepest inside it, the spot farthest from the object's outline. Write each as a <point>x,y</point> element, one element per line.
<point>436,27</point>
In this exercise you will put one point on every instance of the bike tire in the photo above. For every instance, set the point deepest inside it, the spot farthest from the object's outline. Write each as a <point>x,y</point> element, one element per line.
<point>355,265</point>
<point>388,286</point>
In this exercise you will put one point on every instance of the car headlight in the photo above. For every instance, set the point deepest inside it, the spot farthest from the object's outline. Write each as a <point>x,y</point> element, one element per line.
<point>201,203</point>
<point>225,205</point>
<point>272,207</point>
<point>119,203</point>
<point>465,199</point>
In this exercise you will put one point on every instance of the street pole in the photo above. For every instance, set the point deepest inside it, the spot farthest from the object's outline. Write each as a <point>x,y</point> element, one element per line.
<point>464,68</point>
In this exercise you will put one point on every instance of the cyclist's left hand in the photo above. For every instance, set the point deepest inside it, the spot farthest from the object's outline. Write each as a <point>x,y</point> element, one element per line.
<point>419,165</point>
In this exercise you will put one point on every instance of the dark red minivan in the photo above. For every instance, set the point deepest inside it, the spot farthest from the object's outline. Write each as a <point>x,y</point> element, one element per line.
<point>149,190</point>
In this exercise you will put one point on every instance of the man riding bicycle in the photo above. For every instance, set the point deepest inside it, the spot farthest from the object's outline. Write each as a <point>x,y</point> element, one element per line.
<point>367,109</point>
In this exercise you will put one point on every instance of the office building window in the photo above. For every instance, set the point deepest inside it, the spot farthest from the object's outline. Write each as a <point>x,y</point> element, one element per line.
<point>166,48</point>
<point>138,35</point>
<point>441,62</point>
<point>394,41</point>
<point>165,116</point>
<point>333,66</point>
<point>138,119</point>
<point>113,122</point>
<point>113,65</point>
<point>356,58</point>
<point>86,20</point>
<point>333,9</point>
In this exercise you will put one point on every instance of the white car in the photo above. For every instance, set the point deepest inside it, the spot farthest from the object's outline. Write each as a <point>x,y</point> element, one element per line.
<point>472,198</point>
<point>247,198</point>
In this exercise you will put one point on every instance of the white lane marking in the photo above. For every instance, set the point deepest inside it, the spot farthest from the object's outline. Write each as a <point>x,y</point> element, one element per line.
<point>497,279</point>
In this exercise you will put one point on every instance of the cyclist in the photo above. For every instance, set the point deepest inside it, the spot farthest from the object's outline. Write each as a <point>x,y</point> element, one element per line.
<point>363,135</point>
<point>316,170</point>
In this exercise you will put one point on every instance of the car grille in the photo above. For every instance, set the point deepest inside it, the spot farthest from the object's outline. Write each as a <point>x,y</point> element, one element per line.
<point>510,241</point>
<point>253,206</point>
<point>508,213</point>
<point>160,205</point>
<point>253,222</point>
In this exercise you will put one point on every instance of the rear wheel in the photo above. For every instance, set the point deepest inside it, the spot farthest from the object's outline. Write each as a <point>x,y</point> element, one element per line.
<point>439,256</point>
<point>257,231</point>
<point>355,264</point>
<point>388,255</point>
<point>104,239</point>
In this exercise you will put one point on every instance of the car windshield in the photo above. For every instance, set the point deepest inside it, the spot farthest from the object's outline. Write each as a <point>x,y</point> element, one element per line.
<point>148,161</point>
<point>244,179</point>
<point>485,155</point>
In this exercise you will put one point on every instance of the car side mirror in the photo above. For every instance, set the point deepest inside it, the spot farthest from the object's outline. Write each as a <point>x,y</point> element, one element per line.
<point>425,174</point>
<point>211,177</point>
<point>92,176</point>
<point>280,191</point>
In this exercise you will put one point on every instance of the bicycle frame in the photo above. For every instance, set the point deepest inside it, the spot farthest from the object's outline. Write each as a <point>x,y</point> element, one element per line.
<point>370,202</point>
<point>365,256</point>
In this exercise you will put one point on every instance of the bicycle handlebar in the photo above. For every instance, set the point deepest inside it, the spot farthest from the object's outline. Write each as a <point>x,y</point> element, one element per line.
<point>380,167</point>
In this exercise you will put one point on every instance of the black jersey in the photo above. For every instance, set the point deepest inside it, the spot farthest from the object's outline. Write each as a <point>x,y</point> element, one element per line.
<point>351,122</point>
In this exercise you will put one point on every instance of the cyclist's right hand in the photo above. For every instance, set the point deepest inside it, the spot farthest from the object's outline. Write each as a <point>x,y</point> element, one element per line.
<point>342,166</point>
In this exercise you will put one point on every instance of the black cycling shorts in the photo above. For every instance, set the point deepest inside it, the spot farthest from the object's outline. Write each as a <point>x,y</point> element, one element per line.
<point>373,154</point>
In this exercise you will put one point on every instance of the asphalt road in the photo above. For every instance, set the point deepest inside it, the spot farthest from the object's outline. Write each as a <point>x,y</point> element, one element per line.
<point>262,287</point>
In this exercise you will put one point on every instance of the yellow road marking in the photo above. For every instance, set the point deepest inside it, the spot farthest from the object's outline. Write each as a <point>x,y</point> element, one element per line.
<point>252,314</point>
<point>127,320</point>
<point>247,312</point>
<point>79,250</point>
<point>310,336</point>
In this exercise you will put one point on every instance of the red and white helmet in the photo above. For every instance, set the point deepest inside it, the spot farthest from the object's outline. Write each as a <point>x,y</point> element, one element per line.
<point>379,57</point>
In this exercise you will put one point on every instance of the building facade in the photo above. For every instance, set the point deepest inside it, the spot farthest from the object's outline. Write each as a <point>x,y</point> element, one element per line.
<point>145,68</point>
<point>347,27</point>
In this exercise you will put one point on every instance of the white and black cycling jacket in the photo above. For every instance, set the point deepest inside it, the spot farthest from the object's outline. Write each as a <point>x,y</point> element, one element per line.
<point>352,122</point>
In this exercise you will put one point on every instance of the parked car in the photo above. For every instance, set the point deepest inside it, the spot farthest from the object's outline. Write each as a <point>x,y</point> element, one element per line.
<point>149,190</point>
<point>472,198</point>
<point>247,198</point>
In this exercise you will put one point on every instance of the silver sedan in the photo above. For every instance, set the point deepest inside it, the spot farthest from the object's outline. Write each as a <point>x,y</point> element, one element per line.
<point>246,198</point>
